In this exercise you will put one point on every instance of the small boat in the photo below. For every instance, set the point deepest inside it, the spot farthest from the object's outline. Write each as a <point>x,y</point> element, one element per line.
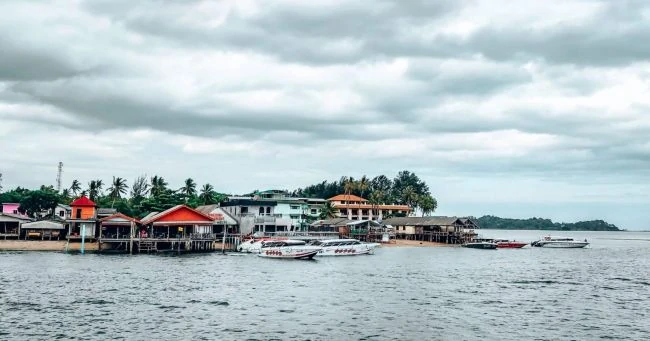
<point>344,247</point>
<point>560,243</point>
<point>288,249</point>
<point>509,244</point>
<point>254,245</point>
<point>481,245</point>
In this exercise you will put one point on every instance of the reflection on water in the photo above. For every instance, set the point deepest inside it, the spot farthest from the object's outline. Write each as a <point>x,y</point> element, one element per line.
<point>399,293</point>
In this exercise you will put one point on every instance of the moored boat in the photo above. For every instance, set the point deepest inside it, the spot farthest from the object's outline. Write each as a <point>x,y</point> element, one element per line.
<point>344,247</point>
<point>481,245</point>
<point>509,244</point>
<point>288,249</point>
<point>254,245</point>
<point>560,243</point>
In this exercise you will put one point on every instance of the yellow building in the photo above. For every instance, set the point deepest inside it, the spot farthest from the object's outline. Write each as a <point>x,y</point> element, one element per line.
<point>357,208</point>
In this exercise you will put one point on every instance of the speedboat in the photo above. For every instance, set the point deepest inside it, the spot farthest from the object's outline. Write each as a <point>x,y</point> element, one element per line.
<point>288,249</point>
<point>559,242</point>
<point>481,245</point>
<point>509,244</point>
<point>254,245</point>
<point>344,247</point>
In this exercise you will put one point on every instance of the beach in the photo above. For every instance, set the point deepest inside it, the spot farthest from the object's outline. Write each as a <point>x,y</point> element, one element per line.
<point>414,243</point>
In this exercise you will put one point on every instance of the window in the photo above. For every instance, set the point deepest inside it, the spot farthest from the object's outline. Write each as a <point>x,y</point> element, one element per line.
<point>294,216</point>
<point>261,210</point>
<point>268,210</point>
<point>313,211</point>
<point>61,213</point>
<point>15,211</point>
<point>244,210</point>
<point>294,207</point>
<point>78,216</point>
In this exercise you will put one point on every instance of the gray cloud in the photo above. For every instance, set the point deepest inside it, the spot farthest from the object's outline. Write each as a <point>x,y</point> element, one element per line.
<point>325,89</point>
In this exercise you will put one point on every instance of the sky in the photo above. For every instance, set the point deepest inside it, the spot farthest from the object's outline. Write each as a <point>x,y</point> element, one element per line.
<point>516,109</point>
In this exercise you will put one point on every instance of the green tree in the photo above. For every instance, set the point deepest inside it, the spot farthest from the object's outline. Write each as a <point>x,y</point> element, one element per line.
<point>95,189</point>
<point>410,197</point>
<point>189,189</point>
<point>406,179</point>
<point>427,204</point>
<point>117,189</point>
<point>328,211</point>
<point>376,199</point>
<point>158,185</point>
<point>207,196</point>
<point>140,188</point>
<point>382,184</point>
<point>37,203</point>
<point>75,187</point>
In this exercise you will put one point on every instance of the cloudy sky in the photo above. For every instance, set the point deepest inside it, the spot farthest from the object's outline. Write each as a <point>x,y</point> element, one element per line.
<point>535,108</point>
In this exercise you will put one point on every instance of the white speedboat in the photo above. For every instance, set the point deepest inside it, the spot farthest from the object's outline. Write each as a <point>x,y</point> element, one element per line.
<point>344,247</point>
<point>288,249</point>
<point>560,242</point>
<point>254,245</point>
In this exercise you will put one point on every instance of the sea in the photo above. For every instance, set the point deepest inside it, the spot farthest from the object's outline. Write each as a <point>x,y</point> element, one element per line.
<point>400,293</point>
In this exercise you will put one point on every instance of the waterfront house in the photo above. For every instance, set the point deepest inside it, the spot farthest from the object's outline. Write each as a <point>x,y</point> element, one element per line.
<point>301,211</point>
<point>357,208</point>
<point>223,221</point>
<point>180,222</point>
<point>441,229</point>
<point>118,227</point>
<point>10,225</point>
<point>43,230</point>
<point>12,208</point>
<point>63,212</point>
<point>255,215</point>
<point>83,218</point>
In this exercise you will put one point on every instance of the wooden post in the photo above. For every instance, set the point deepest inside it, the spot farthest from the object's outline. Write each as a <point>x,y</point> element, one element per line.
<point>223,242</point>
<point>131,238</point>
<point>83,237</point>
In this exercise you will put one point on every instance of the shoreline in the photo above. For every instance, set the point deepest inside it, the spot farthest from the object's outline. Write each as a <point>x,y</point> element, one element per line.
<point>45,245</point>
<point>60,245</point>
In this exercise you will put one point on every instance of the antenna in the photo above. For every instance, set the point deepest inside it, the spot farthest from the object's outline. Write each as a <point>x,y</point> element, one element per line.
<point>58,177</point>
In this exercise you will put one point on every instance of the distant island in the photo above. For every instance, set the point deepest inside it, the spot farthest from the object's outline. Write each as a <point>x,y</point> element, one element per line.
<point>492,222</point>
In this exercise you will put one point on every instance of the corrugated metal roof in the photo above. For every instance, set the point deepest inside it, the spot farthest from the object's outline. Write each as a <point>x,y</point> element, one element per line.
<point>42,225</point>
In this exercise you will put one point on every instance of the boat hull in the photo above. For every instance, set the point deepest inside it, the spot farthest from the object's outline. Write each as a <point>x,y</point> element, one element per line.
<point>511,245</point>
<point>482,246</point>
<point>327,252</point>
<point>289,253</point>
<point>562,245</point>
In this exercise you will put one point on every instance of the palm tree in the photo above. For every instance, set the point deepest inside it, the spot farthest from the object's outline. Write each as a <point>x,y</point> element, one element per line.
<point>328,211</point>
<point>349,186</point>
<point>410,197</point>
<point>207,194</point>
<point>376,198</point>
<point>362,186</point>
<point>189,190</point>
<point>428,204</point>
<point>158,185</point>
<point>75,187</point>
<point>118,188</point>
<point>65,195</point>
<point>95,189</point>
<point>140,188</point>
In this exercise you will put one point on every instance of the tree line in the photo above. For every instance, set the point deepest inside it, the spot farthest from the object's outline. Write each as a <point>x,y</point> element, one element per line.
<point>154,194</point>
<point>143,196</point>
<point>492,222</point>
<point>405,189</point>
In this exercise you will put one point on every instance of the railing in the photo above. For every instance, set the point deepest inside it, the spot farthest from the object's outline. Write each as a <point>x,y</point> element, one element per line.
<point>259,220</point>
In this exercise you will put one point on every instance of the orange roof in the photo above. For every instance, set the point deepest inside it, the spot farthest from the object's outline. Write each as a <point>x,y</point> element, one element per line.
<point>178,214</point>
<point>83,202</point>
<point>346,197</point>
